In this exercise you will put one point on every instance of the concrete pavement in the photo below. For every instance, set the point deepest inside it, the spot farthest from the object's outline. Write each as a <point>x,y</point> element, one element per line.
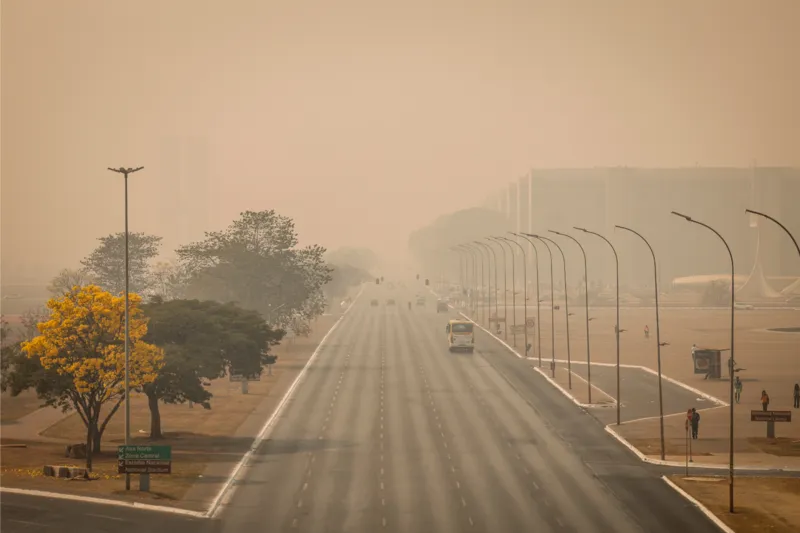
<point>391,432</point>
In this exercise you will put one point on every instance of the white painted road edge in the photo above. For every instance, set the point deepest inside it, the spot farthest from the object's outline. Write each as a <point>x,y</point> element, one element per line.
<point>644,458</point>
<point>103,501</point>
<point>711,516</point>
<point>229,488</point>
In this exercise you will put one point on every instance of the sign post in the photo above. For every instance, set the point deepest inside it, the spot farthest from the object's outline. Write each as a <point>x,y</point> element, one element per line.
<point>770,417</point>
<point>144,460</point>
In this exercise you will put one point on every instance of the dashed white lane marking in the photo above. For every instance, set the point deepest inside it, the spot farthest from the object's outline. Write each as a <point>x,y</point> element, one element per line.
<point>305,486</point>
<point>294,522</point>
<point>299,503</point>
<point>470,521</point>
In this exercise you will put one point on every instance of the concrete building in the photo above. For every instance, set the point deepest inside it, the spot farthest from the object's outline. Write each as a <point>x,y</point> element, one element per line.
<point>599,198</point>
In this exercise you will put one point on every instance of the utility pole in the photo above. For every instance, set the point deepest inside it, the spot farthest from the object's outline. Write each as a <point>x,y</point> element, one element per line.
<point>125,172</point>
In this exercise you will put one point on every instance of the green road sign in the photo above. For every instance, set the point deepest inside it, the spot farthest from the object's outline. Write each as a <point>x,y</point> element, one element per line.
<point>144,459</point>
<point>145,453</point>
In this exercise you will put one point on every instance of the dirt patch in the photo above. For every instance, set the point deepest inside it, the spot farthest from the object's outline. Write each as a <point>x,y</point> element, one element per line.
<point>781,446</point>
<point>198,437</point>
<point>760,503</point>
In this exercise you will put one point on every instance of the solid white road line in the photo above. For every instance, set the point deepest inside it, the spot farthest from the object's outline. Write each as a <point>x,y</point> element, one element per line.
<point>229,487</point>
<point>711,516</point>
<point>103,501</point>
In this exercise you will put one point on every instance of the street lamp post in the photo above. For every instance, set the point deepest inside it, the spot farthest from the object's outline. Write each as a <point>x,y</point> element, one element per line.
<point>513,293</point>
<point>789,233</point>
<point>474,283</point>
<point>538,298</point>
<point>485,249</point>
<point>460,266</point>
<point>586,295</point>
<point>494,258</point>
<point>125,172</point>
<point>505,287</point>
<point>566,309</point>
<point>616,328</point>
<point>552,306</point>
<point>658,338</point>
<point>732,364</point>
<point>524,294</point>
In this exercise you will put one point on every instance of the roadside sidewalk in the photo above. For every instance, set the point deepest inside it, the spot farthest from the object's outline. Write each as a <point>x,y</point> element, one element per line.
<point>30,427</point>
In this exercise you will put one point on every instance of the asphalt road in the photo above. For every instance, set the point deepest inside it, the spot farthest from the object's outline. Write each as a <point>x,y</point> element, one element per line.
<point>391,432</point>
<point>639,391</point>
<point>34,514</point>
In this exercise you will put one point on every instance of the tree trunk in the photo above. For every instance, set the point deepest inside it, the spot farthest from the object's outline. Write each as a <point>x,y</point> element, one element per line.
<point>98,437</point>
<point>89,434</point>
<point>155,417</point>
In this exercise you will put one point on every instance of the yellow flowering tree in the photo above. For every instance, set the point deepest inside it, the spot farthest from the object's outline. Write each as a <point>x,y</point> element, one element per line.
<point>80,354</point>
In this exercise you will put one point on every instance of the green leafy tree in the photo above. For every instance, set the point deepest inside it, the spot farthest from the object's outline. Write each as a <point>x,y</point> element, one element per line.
<point>255,262</point>
<point>201,340</point>
<point>106,264</point>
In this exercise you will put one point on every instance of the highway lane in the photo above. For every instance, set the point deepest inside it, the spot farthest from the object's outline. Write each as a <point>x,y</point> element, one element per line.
<point>22,513</point>
<point>391,432</point>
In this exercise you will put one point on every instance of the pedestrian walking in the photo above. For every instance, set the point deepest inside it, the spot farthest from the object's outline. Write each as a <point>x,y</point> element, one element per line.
<point>796,396</point>
<point>737,387</point>
<point>695,422</point>
<point>764,400</point>
<point>646,331</point>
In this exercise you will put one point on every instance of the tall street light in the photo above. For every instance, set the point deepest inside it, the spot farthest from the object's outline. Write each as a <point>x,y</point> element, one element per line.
<point>461,267</point>
<point>494,258</point>
<point>616,328</point>
<point>658,337</point>
<point>474,283</point>
<point>586,294</point>
<point>731,366</point>
<point>552,306</point>
<point>566,308</point>
<point>505,287</point>
<point>524,293</point>
<point>502,240</point>
<point>484,249</point>
<point>538,298</point>
<point>789,233</point>
<point>125,172</point>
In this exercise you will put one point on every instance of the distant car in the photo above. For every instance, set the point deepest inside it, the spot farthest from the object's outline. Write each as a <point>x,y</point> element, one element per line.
<point>374,303</point>
<point>390,301</point>
<point>442,307</point>
<point>420,301</point>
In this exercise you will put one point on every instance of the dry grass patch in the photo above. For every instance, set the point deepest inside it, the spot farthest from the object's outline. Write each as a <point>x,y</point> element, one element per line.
<point>761,503</point>
<point>12,408</point>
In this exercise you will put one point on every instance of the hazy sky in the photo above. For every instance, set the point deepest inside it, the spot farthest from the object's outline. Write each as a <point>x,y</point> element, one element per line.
<point>363,120</point>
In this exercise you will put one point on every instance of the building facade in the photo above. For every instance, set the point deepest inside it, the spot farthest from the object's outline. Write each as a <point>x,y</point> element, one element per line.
<point>642,199</point>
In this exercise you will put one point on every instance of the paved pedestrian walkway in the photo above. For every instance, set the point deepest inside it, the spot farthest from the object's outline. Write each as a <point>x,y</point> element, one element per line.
<point>31,426</point>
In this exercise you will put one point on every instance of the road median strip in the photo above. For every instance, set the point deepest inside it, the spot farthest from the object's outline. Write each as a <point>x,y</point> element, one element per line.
<point>220,496</point>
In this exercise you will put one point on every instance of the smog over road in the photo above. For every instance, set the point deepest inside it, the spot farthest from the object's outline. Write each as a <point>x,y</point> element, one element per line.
<point>417,266</point>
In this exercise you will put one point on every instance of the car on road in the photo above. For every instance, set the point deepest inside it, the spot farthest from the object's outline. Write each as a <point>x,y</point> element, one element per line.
<point>374,303</point>
<point>421,300</point>
<point>460,336</point>
<point>390,301</point>
<point>442,307</point>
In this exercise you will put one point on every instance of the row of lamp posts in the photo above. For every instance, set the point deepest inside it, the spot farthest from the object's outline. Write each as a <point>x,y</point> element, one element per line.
<point>476,249</point>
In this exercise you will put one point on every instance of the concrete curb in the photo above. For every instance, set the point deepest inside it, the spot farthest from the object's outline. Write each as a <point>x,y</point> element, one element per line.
<point>103,501</point>
<point>711,516</point>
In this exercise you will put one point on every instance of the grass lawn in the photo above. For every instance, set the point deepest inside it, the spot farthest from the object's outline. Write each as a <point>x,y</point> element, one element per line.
<point>760,503</point>
<point>14,408</point>
<point>198,436</point>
